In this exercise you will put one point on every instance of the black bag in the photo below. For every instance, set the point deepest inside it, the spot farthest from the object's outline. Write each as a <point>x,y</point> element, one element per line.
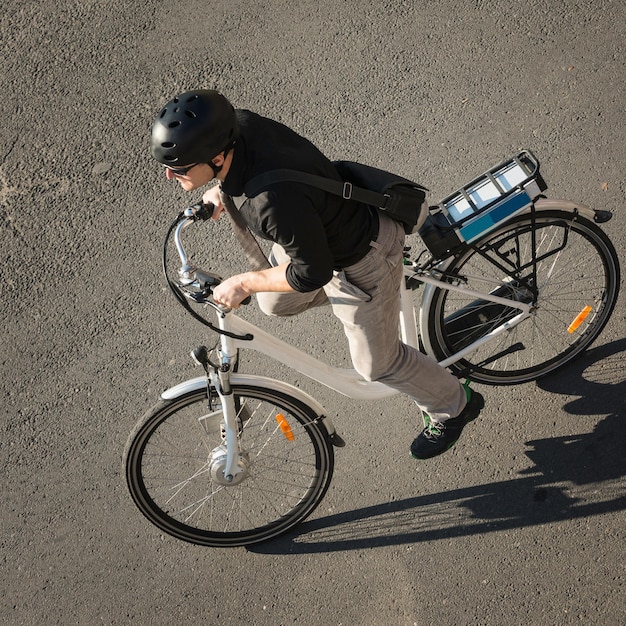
<point>401,199</point>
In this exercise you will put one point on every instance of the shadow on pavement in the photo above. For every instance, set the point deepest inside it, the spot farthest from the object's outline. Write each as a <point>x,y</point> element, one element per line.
<point>591,465</point>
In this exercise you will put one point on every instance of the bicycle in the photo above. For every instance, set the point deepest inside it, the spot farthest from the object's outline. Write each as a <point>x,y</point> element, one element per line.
<point>515,286</point>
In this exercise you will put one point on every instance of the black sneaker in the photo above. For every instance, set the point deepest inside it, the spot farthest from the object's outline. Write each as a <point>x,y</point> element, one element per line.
<point>437,437</point>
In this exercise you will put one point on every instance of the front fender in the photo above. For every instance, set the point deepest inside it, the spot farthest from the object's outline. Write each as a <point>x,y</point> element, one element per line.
<point>195,384</point>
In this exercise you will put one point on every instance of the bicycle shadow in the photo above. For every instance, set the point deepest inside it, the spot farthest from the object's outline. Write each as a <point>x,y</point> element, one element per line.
<point>591,465</point>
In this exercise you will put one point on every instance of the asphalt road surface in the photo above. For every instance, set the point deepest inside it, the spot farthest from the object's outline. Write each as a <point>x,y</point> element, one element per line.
<point>523,522</point>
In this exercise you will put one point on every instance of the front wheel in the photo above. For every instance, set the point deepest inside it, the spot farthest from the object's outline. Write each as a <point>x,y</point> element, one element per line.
<point>571,282</point>
<point>175,455</point>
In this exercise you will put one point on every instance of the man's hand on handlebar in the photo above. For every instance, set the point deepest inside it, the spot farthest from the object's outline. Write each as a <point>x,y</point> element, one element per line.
<point>231,292</point>
<point>234,290</point>
<point>212,197</point>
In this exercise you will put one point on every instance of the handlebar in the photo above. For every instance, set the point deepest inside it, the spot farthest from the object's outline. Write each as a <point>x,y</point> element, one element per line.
<point>193,282</point>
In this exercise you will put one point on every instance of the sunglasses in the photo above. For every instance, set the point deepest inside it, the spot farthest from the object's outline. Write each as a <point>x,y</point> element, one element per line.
<point>179,171</point>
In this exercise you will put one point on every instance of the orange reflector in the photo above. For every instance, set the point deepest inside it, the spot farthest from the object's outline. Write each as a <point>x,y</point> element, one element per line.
<point>580,318</point>
<point>284,426</point>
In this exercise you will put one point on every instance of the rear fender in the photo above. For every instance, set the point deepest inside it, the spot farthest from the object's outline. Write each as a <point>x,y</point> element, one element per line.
<point>548,204</point>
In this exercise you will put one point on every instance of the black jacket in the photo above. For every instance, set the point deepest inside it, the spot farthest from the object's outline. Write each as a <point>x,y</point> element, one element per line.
<point>319,231</point>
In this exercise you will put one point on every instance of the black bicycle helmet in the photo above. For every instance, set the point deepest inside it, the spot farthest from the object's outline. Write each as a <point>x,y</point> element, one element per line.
<point>194,127</point>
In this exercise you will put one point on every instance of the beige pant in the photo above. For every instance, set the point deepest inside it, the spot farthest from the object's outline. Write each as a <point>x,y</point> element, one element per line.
<point>366,298</point>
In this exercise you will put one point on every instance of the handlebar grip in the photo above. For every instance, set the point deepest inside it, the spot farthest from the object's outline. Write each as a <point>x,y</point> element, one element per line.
<point>206,279</point>
<point>208,208</point>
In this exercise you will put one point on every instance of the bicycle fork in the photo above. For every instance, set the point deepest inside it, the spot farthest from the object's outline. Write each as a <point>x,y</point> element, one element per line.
<point>228,463</point>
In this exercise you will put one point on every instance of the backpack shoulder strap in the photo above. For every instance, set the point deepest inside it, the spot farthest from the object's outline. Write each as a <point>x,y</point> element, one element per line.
<point>346,190</point>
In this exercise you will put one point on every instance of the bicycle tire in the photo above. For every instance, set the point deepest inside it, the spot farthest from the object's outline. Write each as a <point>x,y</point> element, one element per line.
<point>579,268</point>
<point>169,472</point>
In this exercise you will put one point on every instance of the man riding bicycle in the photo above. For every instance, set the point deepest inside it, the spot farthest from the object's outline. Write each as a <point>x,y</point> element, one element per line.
<point>327,249</point>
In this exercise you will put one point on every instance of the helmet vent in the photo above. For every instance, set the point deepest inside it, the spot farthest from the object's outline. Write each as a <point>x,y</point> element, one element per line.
<point>189,113</point>
<point>168,144</point>
<point>174,124</point>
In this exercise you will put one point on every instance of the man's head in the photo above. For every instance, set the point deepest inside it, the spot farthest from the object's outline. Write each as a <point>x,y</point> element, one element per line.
<point>193,133</point>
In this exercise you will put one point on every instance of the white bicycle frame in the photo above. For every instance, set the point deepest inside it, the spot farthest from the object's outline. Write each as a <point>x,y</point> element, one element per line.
<point>347,381</point>
<point>343,380</point>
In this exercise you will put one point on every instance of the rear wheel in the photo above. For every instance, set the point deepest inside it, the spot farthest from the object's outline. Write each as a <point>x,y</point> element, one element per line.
<point>175,457</point>
<point>577,281</point>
